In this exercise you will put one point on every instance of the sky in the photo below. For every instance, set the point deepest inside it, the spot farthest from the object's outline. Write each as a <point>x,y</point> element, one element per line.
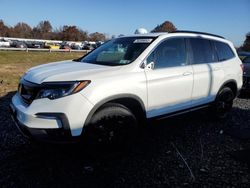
<point>229,18</point>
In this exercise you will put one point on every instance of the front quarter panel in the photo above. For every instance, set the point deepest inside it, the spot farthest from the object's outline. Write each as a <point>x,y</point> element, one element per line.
<point>122,83</point>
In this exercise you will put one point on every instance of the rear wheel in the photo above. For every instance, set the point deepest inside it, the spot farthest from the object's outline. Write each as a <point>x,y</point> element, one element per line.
<point>112,125</point>
<point>223,103</point>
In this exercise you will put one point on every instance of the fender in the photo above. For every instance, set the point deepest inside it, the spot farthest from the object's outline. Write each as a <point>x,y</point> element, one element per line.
<point>112,98</point>
<point>227,82</point>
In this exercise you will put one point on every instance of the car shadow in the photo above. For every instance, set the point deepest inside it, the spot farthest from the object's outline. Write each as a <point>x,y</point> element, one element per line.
<point>244,95</point>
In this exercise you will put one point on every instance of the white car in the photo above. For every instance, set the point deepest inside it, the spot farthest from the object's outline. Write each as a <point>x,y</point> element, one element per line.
<point>4,43</point>
<point>110,91</point>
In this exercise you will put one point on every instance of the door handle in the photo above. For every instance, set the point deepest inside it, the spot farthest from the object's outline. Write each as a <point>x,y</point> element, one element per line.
<point>187,73</point>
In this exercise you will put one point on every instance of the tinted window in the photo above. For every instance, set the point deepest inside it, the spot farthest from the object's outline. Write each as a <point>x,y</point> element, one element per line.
<point>223,50</point>
<point>169,53</point>
<point>202,51</point>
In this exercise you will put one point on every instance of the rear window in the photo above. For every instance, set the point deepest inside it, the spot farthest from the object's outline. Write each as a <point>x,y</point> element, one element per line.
<point>223,50</point>
<point>202,51</point>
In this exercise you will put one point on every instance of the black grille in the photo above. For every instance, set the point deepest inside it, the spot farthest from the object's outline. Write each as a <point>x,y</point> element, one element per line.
<point>28,91</point>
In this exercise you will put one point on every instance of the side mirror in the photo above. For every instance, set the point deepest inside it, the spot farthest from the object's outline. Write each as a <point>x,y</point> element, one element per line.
<point>150,66</point>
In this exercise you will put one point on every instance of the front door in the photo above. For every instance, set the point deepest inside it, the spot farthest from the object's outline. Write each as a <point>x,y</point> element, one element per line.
<point>170,81</point>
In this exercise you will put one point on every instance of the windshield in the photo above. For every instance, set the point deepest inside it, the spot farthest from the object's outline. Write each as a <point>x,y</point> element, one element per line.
<point>120,51</point>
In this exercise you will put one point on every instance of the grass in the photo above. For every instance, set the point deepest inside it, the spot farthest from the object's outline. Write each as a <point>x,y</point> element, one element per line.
<point>14,64</point>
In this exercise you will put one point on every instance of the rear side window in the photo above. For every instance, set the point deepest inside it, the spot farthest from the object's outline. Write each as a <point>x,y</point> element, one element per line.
<point>223,50</point>
<point>170,53</point>
<point>202,51</point>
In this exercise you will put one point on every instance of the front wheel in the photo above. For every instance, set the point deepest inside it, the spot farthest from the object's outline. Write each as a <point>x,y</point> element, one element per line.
<point>112,125</point>
<point>223,103</point>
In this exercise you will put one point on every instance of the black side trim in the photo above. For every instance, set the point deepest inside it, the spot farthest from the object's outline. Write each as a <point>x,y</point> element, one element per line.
<point>181,112</point>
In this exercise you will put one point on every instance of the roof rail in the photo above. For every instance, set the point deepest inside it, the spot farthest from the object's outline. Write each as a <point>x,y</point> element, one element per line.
<point>196,32</point>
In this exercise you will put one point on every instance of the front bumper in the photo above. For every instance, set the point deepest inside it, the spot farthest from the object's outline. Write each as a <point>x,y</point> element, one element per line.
<point>51,120</point>
<point>62,134</point>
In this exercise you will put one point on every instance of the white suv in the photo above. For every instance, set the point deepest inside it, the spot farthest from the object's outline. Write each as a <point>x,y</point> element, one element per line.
<point>125,81</point>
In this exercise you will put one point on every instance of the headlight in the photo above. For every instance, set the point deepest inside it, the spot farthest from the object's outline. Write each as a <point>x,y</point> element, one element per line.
<point>57,90</point>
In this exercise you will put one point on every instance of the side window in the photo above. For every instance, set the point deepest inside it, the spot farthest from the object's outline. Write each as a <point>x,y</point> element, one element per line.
<point>202,51</point>
<point>223,50</point>
<point>170,53</point>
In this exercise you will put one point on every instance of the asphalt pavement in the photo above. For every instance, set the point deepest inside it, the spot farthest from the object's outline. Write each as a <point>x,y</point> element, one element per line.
<point>188,150</point>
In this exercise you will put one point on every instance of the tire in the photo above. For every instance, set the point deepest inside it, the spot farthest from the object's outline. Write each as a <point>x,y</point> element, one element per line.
<point>223,103</point>
<point>113,125</point>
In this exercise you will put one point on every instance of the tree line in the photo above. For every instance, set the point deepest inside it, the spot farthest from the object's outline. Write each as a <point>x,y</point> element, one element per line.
<point>44,30</point>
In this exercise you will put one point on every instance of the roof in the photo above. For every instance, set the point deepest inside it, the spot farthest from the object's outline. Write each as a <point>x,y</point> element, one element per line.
<point>197,32</point>
<point>146,35</point>
<point>177,32</point>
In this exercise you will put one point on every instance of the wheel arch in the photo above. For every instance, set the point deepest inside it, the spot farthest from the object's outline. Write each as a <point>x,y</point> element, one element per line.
<point>133,102</point>
<point>232,84</point>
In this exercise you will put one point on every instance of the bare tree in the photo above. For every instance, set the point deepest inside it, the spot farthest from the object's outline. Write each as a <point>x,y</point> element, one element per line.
<point>21,30</point>
<point>246,45</point>
<point>73,33</point>
<point>4,30</point>
<point>43,30</point>
<point>166,26</point>
<point>97,36</point>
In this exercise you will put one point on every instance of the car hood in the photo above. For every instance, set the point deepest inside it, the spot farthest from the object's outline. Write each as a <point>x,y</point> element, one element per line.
<point>66,71</point>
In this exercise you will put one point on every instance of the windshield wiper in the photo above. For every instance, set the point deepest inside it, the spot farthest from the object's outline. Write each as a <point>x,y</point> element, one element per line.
<point>77,60</point>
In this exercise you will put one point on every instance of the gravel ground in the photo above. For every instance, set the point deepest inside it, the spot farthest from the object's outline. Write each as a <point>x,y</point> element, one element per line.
<point>189,150</point>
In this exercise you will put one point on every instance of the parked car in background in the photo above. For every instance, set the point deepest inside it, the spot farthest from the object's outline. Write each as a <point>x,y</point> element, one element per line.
<point>65,46</point>
<point>89,46</point>
<point>38,45</point>
<point>31,44</point>
<point>99,43</point>
<point>4,43</point>
<point>20,44</point>
<point>50,45</point>
<point>242,55</point>
<point>77,45</point>
<point>245,58</point>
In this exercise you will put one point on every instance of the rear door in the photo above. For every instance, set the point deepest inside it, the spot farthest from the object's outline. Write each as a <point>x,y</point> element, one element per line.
<point>208,71</point>
<point>170,82</point>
